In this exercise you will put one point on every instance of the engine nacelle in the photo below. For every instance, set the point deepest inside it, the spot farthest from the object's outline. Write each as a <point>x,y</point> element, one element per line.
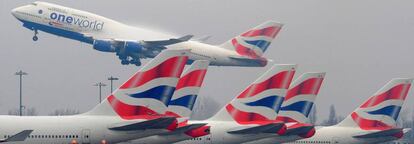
<point>104,46</point>
<point>133,47</point>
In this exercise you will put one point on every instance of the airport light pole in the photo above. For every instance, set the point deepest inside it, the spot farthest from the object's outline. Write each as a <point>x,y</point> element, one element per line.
<point>21,74</point>
<point>100,85</point>
<point>112,79</point>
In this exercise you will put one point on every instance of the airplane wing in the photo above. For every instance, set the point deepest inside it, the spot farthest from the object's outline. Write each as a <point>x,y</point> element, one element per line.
<point>131,51</point>
<point>203,39</point>
<point>21,136</point>
<point>167,42</point>
<point>268,128</point>
<point>382,133</point>
<point>159,123</point>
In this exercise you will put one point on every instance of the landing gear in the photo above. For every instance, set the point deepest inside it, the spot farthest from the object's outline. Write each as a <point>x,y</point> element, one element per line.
<point>136,62</point>
<point>124,62</point>
<point>35,38</point>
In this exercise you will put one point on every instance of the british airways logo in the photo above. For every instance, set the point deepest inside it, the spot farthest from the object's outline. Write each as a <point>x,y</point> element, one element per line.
<point>84,23</point>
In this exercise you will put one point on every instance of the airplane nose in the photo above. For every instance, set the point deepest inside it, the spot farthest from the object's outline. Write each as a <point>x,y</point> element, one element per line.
<point>13,11</point>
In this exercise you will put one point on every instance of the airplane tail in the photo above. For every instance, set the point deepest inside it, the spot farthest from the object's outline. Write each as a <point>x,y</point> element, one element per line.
<point>254,42</point>
<point>298,102</point>
<point>260,102</point>
<point>300,97</point>
<point>380,111</point>
<point>187,89</point>
<point>146,94</point>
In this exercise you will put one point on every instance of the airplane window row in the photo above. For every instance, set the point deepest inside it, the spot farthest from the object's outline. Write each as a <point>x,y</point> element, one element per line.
<point>312,142</point>
<point>49,136</point>
<point>27,14</point>
<point>199,138</point>
<point>57,10</point>
<point>85,17</point>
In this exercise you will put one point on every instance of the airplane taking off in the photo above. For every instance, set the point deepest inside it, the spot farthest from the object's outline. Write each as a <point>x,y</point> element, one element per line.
<point>252,114</point>
<point>373,122</point>
<point>132,44</point>
<point>135,110</point>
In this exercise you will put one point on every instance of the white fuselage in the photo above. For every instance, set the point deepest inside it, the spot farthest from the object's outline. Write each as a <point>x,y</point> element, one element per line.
<point>83,129</point>
<point>341,135</point>
<point>85,27</point>
<point>219,134</point>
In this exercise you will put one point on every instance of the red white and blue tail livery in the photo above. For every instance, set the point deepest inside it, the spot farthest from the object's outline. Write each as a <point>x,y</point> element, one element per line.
<point>296,107</point>
<point>147,93</point>
<point>260,102</point>
<point>252,114</point>
<point>254,43</point>
<point>372,122</point>
<point>380,111</point>
<point>186,93</point>
<point>181,105</point>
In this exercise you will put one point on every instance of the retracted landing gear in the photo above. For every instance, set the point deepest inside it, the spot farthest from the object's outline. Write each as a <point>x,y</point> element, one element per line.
<point>35,38</point>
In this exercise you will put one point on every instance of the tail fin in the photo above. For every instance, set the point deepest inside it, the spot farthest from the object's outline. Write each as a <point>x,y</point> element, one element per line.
<point>300,97</point>
<point>148,91</point>
<point>381,110</point>
<point>254,42</point>
<point>188,86</point>
<point>260,102</point>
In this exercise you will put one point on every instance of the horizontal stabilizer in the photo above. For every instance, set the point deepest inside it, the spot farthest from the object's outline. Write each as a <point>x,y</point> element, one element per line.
<point>203,39</point>
<point>21,136</point>
<point>167,42</point>
<point>406,130</point>
<point>268,128</point>
<point>384,133</point>
<point>159,123</point>
<point>253,61</point>
<point>186,128</point>
<point>299,130</point>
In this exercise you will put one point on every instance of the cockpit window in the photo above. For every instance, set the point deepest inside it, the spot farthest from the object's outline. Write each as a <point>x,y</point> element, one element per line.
<point>34,3</point>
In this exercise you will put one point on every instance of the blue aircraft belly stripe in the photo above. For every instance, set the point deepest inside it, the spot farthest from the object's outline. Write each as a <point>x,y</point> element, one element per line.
<point>303,107</point>
<point>185,101</point>
<point>57,31</point>
<point>162,93</point>
<point>391,111</point>
<point>273,102</point>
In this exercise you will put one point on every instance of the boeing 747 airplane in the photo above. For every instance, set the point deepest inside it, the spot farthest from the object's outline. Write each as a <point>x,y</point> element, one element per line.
<point>132,43</point>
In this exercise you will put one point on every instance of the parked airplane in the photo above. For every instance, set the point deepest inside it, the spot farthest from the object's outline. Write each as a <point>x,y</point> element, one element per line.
<point>180,107</point>
<point>131,43</point>
<point>373,122</point>
<point>135,110</point>
<point>252,114</point>
<point>295,109</point>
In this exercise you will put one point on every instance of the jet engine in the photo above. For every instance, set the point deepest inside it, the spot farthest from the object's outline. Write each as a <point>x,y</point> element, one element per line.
<point>104,46</point>
<point>132,47</point>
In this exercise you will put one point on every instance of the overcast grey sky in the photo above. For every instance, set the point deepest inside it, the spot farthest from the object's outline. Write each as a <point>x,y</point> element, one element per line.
<point>361,44</point>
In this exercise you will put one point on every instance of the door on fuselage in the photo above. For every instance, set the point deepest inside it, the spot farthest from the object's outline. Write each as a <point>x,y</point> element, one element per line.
<point>86,136</point>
